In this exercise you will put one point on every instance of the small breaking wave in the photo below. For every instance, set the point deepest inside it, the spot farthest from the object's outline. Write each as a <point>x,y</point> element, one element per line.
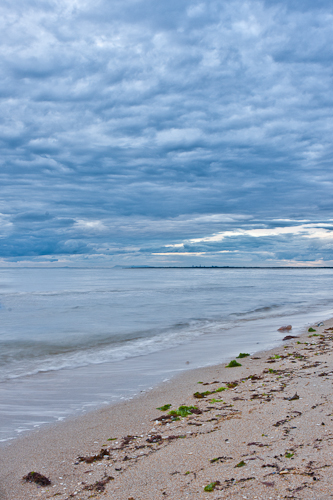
<point>103,354</point>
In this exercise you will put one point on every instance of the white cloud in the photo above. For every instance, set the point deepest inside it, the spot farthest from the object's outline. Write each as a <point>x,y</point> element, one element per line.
<point>320,231</point>
<point>306,230</point>
<point>90,225</point>
<point>193,254</point>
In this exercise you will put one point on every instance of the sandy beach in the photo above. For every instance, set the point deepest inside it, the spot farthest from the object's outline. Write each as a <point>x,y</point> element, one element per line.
<point>261,430</point>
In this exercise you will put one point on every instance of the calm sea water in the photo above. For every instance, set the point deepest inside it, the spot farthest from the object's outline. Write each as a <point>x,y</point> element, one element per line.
<point>72,339</point>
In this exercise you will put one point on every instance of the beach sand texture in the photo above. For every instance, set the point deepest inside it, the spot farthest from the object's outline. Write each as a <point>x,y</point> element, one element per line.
<point>252,440</point>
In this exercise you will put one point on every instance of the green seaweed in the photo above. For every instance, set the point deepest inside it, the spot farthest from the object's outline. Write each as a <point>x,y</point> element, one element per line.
<point>220,389</point>
<point>112,439</point>
<point>289,454</point>
<point>183,411</point>
<point>211,486</point>
<point>216,400</point>
<point>311,330</point>
<point>233,364</point>
<point>201,395</point>
<point>243,355</point>
<point>271,370</point>
<point>164,407</point>
<point>241,464</point>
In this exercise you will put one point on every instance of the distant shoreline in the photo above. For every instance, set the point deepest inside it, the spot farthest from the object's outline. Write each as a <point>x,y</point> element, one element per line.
<point>165,267</point>
<point>222,267</point>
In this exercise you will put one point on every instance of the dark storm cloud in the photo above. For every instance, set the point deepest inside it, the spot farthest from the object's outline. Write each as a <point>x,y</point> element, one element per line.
<point>124,123</point>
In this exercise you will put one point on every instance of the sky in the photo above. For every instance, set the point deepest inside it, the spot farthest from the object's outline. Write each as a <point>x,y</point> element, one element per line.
<point>145,132</point>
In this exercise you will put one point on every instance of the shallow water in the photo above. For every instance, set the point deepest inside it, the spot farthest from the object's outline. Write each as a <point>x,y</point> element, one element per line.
<point>74,339</point>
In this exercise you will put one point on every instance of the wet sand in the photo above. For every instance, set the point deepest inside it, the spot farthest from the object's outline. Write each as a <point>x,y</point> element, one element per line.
<point>266,434</point>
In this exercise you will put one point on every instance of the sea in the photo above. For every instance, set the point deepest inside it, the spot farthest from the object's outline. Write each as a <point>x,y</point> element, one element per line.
<point>76,339</point>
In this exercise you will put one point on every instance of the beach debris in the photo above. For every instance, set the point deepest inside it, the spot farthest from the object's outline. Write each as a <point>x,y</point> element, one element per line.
<point>310,330</point>
<point>220,459</point>
<point>157,438</point>
<point>232,385</point>
<point>164,407</point>
<point>200,395</point>
<point>184,411</point>
<point>243,479</point>
<point>94,458</point>
<point>233,363</point>
<point>176,437</point>
<point>266,483</point>
<point>281,422</point>
<point>36,477</point>
<point>165,419</point>
<point>99,485</point>
<point>243,355</point>
<point>275,466</point>
<point>127,440</point>
<point>320,324</point>
<point>289,337</point>
<point>173,415</point>
<point>284,328</point>
<point>294,397</point>
<point>211,486</point>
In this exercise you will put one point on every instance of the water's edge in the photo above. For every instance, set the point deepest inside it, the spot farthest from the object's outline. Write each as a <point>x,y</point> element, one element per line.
<point>177,377</point>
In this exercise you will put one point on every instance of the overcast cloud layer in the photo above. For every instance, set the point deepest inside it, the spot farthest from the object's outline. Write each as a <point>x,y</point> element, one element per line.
<point>179,132</point>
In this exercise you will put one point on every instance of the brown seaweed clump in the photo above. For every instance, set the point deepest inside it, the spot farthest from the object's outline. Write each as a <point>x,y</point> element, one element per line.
<point>99,486</point>
<point>36,477</point>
